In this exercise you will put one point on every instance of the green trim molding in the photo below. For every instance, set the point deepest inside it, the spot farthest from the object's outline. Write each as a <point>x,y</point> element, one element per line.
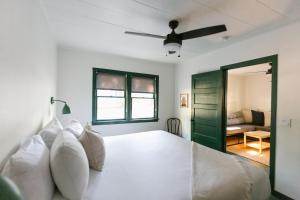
<point>128,104</point>
<point>269,59</point>
<point>280,195</point>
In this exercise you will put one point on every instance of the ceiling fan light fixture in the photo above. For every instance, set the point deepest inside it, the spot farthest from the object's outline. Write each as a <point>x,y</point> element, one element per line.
<point>172,48</point>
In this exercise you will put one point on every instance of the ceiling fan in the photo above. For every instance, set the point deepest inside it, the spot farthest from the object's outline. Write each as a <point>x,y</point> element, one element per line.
<point>173,41</point>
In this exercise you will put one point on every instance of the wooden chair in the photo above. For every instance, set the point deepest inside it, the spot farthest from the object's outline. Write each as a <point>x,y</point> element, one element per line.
<point>174,126</point>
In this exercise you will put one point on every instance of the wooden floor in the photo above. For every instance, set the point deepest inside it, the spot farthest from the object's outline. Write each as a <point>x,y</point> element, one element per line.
<point>251,153</point>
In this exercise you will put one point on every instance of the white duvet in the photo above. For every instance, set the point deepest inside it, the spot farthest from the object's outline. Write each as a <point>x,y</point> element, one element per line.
<point>217,175</point>
<point>156,165</point>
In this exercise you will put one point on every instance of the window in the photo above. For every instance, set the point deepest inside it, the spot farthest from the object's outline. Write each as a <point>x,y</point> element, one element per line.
<point>110,96</point>
<point>124,97</point>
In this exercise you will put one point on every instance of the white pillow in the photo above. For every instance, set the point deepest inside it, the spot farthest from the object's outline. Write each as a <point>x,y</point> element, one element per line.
<point>267,119</point>
<point>247,114</point>
<point>50,132</point>
<point>69,166</point>
<point>29,169</point>
<point>74,127</point>
<point>93,145</point>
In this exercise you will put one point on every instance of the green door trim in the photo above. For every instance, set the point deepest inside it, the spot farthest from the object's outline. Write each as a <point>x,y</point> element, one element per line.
<point>269,59</point>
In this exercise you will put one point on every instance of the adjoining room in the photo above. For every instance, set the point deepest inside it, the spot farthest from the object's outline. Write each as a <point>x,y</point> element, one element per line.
<point>249,112</point>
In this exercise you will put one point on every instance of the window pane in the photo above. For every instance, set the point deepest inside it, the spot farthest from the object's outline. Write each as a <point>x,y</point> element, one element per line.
<point>110,93</point>
<point>145,85</point>
<point>142,108</point>
<point>110,81</point>
<point>142,95</point>
<point>110,108</point>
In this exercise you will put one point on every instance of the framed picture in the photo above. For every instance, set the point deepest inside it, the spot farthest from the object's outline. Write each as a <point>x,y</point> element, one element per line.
<point>184,100</point>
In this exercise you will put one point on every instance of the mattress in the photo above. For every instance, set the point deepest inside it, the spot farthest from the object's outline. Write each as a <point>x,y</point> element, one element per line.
<point>153,165</point>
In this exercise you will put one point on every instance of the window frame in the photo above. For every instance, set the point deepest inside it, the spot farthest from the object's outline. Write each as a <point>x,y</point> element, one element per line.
<point>128,99</point>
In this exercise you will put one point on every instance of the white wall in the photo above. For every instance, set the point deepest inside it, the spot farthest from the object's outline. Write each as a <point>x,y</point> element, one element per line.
<point>75,86</point>
<point>286,43</point>
<point>248,92</point>
<point>27,72</point>
<point>257,92</point>
<point>235,93</point>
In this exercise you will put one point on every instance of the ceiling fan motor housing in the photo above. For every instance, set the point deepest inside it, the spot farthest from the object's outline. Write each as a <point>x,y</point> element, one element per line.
<point>173,38</point>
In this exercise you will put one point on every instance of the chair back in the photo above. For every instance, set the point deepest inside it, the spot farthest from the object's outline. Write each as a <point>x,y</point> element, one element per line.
<point>174,126</point>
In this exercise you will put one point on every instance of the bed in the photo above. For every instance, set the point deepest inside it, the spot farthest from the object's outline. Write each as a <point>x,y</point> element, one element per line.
<point>155,165</point>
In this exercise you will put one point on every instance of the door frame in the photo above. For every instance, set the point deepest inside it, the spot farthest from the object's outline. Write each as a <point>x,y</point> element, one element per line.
<point>268,59</point>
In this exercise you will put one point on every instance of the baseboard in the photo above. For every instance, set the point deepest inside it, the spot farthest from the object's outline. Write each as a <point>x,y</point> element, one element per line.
<point>280,195</point>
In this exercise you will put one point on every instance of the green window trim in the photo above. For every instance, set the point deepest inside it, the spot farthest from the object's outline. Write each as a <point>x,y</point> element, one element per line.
<point>128,99</point>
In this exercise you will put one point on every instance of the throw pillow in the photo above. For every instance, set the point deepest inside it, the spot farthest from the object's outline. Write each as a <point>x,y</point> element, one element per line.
<point>258,118</point>
<point>50,132</point>
<point>234,115</point>
<point>74,127</point>
<point>247,116</point>
<point>267,119</point>
<point>235,121</point>
<point>69,166</point>
<point>29,169</point>
<point>93,145</point>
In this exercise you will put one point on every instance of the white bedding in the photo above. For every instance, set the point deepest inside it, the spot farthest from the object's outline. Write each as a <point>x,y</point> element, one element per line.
<point>221,176</point>
<point>151,165</point>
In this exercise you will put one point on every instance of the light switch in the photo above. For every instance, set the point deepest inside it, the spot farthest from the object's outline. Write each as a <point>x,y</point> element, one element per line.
<point>286,123</point>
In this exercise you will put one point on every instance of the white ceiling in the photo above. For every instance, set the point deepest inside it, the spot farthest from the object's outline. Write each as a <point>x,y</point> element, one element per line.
<point>253,70</point>
<point>99,25</point>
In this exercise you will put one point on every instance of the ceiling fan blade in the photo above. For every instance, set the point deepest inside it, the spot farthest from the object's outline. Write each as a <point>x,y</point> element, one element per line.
<point>146,35</point>
<point>203,32</point>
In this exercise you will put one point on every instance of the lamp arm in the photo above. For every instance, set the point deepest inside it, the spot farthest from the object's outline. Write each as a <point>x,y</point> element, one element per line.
<point>57,100</point>
<point>60,101</point>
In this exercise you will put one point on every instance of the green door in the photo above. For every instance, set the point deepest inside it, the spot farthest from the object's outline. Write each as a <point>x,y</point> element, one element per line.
<point>207,102</point>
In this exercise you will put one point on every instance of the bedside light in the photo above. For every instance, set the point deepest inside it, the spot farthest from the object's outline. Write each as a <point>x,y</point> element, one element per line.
<point>66,109</point>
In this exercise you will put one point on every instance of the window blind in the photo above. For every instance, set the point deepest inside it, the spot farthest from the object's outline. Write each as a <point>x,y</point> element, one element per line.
<point>142,85</point>
<point>107,81</point>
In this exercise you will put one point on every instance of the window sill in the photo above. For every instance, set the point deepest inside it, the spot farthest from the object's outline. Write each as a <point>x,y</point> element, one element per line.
<point>104,122</point>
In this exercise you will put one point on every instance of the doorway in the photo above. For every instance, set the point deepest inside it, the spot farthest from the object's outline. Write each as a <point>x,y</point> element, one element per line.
<point>248,106</point>
<point>257,144</point>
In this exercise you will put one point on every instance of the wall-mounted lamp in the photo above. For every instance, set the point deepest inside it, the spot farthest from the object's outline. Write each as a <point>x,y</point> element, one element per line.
<point>66,109</point>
